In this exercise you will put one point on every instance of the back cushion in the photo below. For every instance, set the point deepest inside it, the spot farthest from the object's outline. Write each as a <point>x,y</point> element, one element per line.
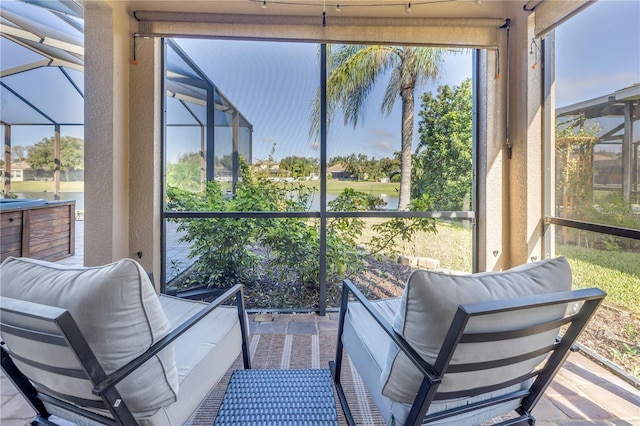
<point>429,303</point>
<point>118,313</point>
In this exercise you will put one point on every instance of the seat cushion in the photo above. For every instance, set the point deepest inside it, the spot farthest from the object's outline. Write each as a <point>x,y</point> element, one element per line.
<point>429,303</point>
<point>119,314</point>
<point>203,355</point>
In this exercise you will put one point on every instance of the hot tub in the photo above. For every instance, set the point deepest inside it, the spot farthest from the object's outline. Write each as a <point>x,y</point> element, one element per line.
<point>38,229</point>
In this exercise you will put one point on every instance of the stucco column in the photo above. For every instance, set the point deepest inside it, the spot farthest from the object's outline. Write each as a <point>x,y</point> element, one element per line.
<point>145,132</point>
<point>492,213</point>
<point>107,50</point>
<point>526,165</point>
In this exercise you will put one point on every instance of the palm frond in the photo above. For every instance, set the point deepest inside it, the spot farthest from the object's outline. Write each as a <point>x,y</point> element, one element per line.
<point>353,73</point>
<point>427,62</point>
<point>391,93</point>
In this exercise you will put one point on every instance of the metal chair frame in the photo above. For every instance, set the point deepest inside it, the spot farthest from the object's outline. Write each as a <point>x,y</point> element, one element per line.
<point>457,333</point>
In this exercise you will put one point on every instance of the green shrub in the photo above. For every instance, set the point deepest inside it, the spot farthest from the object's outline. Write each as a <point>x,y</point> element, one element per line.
<point>225,247</point>
<point>232,250</point>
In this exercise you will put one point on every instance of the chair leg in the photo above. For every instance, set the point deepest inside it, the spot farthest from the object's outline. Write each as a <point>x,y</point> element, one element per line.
<point>523,420</point>
<point>336,367</point>
<point>39,420</point>
<point>246,356</point>
<point>341,396</point>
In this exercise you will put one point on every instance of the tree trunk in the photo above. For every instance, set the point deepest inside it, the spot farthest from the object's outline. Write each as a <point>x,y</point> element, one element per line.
<point>405,156</point>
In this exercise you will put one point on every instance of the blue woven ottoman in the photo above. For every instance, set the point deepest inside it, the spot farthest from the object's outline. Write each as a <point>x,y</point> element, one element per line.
<point>278,397</point>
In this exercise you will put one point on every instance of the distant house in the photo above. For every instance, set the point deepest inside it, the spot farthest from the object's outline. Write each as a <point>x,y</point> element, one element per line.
<point>337,171</point>
<point>607,170</point>
<point>266,166</point>
<point>18,171</point>
<point>21,171</point>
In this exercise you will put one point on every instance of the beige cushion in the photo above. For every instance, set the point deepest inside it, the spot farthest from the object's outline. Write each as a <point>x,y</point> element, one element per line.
<point>203,355</point>
<point>118,313</point>
<point>429,302</point>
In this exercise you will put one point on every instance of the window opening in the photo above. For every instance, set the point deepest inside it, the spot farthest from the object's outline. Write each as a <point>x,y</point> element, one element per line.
<point>293,205</point>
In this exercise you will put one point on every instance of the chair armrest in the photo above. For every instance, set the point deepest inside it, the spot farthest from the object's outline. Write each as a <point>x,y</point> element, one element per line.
<point>425,368</point>
<point>121,373</point>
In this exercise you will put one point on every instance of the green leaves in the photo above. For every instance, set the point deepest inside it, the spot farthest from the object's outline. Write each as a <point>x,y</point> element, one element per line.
<point>229,251</point>
<point>404,229</point>
<point>278,259</point>
<point>41,154</point>
<point>353,71</point>
<point>443,159</point>
<point>186,173</point>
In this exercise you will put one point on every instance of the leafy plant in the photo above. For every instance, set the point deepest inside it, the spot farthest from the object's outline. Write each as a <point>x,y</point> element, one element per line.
<point>389,231</point>
<point>42,156</point>
<point>615,211</point>
<point>632,333</point>
<point>443,159</point>
<point>221,245</point>
<point>231,250</point>
<point>629,351</point>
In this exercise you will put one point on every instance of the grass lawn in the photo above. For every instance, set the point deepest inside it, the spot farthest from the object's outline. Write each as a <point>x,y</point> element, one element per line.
<point>336,186</point>
<point>615,272</point>
<point>451,244</point>
<point>41,186</point>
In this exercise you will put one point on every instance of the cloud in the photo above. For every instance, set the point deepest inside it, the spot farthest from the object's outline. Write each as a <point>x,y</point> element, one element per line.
<point>379,141</point>
<point>381,133</point>
<point>382,146</point>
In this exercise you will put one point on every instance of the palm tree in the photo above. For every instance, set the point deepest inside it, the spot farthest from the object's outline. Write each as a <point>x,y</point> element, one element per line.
<point>352,73</point>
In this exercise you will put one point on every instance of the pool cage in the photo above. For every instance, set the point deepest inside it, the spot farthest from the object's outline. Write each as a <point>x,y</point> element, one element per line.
<point>41,51</point>
<point>200,120</point>
<point>205,139</point>
<point>611,145</point>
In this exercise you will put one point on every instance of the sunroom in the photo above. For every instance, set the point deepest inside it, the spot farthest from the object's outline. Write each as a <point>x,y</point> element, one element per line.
<point>510,216</point>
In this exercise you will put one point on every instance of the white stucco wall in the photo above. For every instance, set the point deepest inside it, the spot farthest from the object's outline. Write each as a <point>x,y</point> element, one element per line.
<point>525,168</point>
<point>145,131</point>
<point>107,48</point>
<point>491,159</point>
<point>122,133</point>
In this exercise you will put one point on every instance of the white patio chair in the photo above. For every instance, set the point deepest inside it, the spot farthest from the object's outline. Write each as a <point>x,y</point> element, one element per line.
<point>463,349</point>
<point>99,346</point>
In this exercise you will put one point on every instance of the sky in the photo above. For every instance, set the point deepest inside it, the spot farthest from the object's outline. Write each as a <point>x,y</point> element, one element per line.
<point>598,51</point>
<point>274,84</point>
